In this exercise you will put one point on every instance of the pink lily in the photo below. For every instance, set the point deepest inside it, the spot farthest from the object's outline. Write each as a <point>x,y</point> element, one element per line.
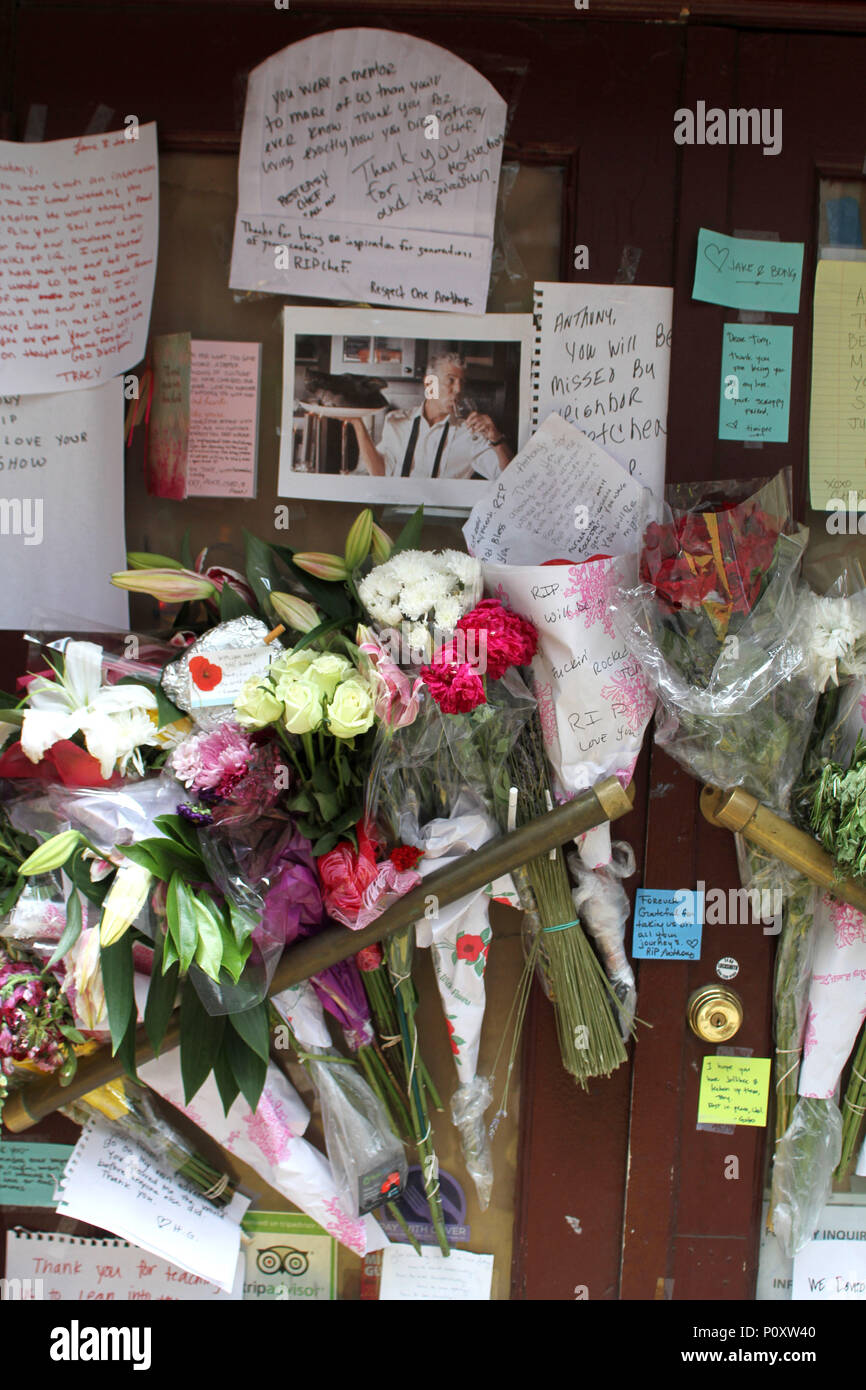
<point>396,700</point>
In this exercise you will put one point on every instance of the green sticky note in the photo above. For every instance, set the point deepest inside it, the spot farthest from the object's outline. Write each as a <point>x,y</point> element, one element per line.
<point>746,274</point>
<point>756,382</point>
<point>289,1257</point>
<point>29,1173</point>
<point>734,1091</point>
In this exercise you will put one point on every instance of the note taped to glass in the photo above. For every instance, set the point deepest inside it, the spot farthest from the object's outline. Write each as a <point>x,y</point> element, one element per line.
<point>734,1091</point>
<point>837,417</point>
<point>748,274</point>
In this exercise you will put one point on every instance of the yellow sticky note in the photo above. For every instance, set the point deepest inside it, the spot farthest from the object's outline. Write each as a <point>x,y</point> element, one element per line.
<point>734,1091</point>
<point>837,414</point>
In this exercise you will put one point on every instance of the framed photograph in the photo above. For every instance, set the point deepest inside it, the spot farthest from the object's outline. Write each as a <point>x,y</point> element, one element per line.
<point>404,407</point>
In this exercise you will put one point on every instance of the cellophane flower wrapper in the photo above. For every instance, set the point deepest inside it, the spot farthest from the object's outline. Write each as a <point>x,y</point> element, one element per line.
<point>266,870</point>
<point>367,1158</point>
<point>806,1156</point>
<point>270,1141</point>
<point>713,611</point>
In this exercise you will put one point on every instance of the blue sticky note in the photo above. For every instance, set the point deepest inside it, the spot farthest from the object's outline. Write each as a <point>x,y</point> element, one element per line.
<point>756,382</point>
<point>29,1173</point>
<point>747,274</point>
<point>668,923</point>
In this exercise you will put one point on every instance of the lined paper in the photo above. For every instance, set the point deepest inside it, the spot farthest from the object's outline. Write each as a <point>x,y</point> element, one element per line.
<point>837,421</point>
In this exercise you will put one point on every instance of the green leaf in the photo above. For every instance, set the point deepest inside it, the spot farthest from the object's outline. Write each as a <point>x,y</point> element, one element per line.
<point>179,830</point>
<point>125,1051</point>
<point>233,606</point>
<point>167,712</point>
<point>328,803</point>
<point>169,953</point>
<point>12,716</point>
<point>324,843</point>
<point>225,1079</point>
<point>160,1003</point>
<point>247,1067</point>
<point>72,930</point>
<point>209,951</point>
<point>201,1035</point>
<point>71,1033</point>
<point>78,870</point>
<point>117,981</point>
<point>253,1027</point>
<point>301,802</point>
<point>410,537</point>
<point>261,571</point>
<point>162,857</point>
<point>243,922</point>
<point>180,904</point>
<point>323,779</point>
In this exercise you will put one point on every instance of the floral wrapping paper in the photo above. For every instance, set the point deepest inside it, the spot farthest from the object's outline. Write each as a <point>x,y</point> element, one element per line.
<point>837,996</point>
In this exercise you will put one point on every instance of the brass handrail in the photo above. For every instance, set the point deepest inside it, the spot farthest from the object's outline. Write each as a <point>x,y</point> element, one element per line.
<point>607,801</point>
<point>741,812</point>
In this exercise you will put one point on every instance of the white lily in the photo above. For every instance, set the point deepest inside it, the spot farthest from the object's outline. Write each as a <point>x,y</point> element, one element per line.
<point>112,718</point>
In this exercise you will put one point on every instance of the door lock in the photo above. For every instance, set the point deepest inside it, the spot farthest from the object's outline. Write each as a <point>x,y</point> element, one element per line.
<point>715,1013</point>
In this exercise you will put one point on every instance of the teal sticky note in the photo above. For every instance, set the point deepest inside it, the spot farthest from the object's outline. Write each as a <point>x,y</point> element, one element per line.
<point>756,382</point>
<point>29,1172</point>
<point>747,274</point>
<point>668,924</point>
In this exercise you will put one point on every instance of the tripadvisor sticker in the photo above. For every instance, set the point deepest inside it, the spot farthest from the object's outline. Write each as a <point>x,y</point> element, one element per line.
<point>727,968</point>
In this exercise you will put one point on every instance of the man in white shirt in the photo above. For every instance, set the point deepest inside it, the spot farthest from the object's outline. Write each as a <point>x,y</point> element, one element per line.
<point>431,441</point>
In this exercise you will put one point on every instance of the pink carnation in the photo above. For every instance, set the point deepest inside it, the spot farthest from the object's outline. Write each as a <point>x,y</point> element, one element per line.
<point>510,640</point>
<point>454,685</point>
<point>213,761</point>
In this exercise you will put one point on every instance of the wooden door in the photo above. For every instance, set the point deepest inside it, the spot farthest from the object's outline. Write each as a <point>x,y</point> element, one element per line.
<point>620,1196</point>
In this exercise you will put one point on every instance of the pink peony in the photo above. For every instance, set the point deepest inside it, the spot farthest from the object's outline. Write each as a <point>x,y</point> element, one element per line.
<point>510,639</point>
<point>455,685</point>
<point>213,761</point>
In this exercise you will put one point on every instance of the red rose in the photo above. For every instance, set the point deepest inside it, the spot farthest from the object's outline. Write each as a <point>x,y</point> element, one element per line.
<point>205,674</point>
<point>469,947</point>
<point>370,958</point>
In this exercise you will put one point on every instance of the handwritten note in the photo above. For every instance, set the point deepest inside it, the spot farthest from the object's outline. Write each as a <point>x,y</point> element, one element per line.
<point>747,274</point>
<point>288,1258</point>
<point>832,1267</point>
<point>734,1091</point>
<point>668,924</point>
<point>368,171</point>
<point>202,438</point>
<point>61,510</point>
<point>78,232</point>
<point>52,1266</point>
<point>431,1277</point>
<point>29,1173</point>
<point>112,1182</point>
<point>756,382</point>
<point>561,497</point>
<point>223,419</point>
<point>603,364</point>
<point>837,417</point>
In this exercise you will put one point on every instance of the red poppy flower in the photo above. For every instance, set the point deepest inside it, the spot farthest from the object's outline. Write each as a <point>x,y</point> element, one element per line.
<point>469,947</point>
<point>205,673</point>
<point>392,1181</point>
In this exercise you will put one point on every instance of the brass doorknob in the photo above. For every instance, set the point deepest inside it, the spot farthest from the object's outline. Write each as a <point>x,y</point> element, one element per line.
<point>715,1013</point>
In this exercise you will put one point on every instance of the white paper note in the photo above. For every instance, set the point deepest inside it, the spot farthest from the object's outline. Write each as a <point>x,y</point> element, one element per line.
<point>83,1269</point>
<point>61,510</point>
<point>78,236</point>
<point>368,171</point>
<point>603,364</point>
<point>223,419</point>
<point>432,1277</point>
<point>832,1267</point>
<point>112,1182</point>
<point>561,498</point>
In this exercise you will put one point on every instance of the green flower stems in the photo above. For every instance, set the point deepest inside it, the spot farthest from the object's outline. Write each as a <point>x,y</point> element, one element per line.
<point>380,997</point>
<point>853,1109</point>
<point>398,952</point>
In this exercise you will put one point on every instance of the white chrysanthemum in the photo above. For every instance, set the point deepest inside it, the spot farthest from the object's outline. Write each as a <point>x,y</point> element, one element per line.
<point>448,613</point>
<point>835,631</point>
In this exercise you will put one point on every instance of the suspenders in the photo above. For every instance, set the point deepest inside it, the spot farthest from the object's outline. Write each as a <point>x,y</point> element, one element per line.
<point>409,456</point>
